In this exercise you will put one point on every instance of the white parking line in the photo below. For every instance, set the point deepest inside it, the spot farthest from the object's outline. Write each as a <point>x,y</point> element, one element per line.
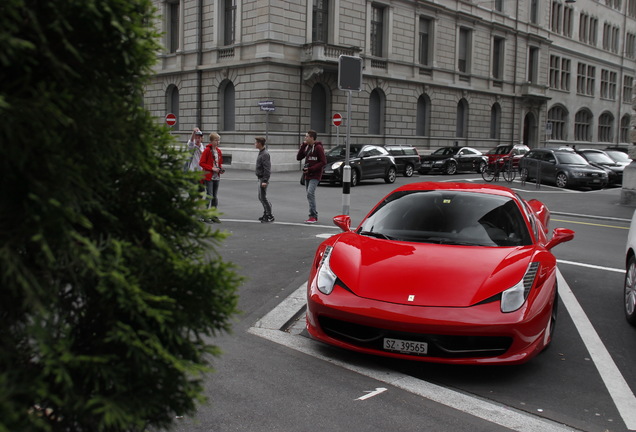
<point>269,327</point>
<point>592,266</point>
<point>616,385</point>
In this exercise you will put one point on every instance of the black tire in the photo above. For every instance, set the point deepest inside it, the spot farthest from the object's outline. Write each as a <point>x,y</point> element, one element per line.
<point>553,317</point>
<point>391,175</point>
<point>561,180</point>
<point>509,172</point>
<point>629,293</point>
<point>450,168</point>
<point>408,170</point>
<point>488,174</point>
<point>481,166</point>
<point>355,178</point>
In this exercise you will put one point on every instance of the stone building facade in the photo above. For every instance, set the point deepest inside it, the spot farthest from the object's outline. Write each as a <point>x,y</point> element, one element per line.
<point>434,73</point>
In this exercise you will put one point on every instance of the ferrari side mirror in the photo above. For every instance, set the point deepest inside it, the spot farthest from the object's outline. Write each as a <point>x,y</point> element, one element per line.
<point>560,235</point>
<point>343,222</point>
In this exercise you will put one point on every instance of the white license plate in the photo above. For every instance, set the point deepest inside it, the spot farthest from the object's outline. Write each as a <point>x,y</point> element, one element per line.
<point>427,163</point>
<point>405,346</point>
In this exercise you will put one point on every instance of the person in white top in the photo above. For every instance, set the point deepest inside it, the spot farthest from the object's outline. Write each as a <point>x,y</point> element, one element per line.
<point>197,147</point>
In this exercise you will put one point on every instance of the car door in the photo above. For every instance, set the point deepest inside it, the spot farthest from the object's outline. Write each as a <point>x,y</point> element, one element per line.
<point>466,158</point>
<point>370,162</point>
<point>548,167</point>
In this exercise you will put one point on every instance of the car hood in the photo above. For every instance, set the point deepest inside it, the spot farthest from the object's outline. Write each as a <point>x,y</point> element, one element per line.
<point>433,274</point>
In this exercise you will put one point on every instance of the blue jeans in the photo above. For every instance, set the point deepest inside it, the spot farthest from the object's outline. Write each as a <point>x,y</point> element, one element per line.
<point>311,186</point>
<point>212,190</point>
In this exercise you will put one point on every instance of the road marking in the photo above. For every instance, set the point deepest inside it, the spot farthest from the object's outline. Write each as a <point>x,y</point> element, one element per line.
<point>592,266</point>
<point>269,327</point>
<point>617,387</point>
<point>589,223</point>
<point>370,394</point>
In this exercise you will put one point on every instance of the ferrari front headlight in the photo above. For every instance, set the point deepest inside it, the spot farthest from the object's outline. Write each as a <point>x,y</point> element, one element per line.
<point>325,279</point>
<point>513,298</point>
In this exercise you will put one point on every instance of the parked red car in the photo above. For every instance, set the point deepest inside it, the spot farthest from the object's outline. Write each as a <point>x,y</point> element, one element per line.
<point>507,151</point>
<point>440,272</point>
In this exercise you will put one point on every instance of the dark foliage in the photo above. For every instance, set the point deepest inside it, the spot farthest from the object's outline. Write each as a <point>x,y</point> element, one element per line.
<point>110,287</point>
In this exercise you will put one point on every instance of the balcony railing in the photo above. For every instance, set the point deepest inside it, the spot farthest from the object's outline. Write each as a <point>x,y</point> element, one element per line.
<point>326,53</point>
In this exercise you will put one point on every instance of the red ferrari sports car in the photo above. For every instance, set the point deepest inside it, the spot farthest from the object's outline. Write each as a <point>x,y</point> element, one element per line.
<point>440,272</point>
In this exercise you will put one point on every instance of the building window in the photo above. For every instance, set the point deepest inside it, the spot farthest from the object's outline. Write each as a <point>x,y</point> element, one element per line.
<point>625,128</point>
<point>630,45</point>
<point>464,50</point>
<point>610,38</point>
<point>320,22</point>
<point>423,116</point>
<point>533,65</point>
<point>559,73</point>
<point>377,30</point>
<point>498,57</point>
<point>585,79</point>
<point>227,106</point>
<point>534,11</point>
<point>628,88</point>
<point>229,22</point>
<point>172,22</point>
<point>588,29</point>
<point>608,84</point>
<point>461,127</point>
<point>495,121</point>
<point>583,126</point>
<point>557,116</point>
<point>631,8</point>
<point>172,103</point>
<point>318,113</point>
<point>376,112</point>
<point>425,40</point>
<point>561,18</point>
<point>499,5</point>
<point>614,4</point>
<point>605,123</point>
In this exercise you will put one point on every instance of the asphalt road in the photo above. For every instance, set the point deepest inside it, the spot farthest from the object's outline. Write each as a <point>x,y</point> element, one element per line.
<point>273,380</point>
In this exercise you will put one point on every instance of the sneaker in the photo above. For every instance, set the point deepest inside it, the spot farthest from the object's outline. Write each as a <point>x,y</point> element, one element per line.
<point>311,220</point>
<point>262,218</point>
<point>267,219</point>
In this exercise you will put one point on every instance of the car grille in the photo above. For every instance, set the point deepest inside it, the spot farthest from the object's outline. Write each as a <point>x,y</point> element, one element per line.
<point>443,346</point>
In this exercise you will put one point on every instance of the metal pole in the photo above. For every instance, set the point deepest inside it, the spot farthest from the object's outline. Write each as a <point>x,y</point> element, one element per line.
<point>346,170</point>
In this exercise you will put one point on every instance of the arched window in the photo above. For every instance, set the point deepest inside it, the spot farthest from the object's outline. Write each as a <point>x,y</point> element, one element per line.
<point>172,103</point>
<point>376,112</point>
<point>583,125</point>
<point>461,126</point>
<point>605,127</point>
<point>558,116</point>
<point>495,121</point>
<point>227,106</point>
<point>318,115</point>
<point>423,116</point>
<point>625,128</point>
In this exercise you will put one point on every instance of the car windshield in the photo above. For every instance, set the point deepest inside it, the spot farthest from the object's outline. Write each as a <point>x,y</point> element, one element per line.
<point>618,155</point>
<point>570,159</point>
<point>448,217</point>
<point>339,151</point>
<point>597,157</point>
<point>446,151</point>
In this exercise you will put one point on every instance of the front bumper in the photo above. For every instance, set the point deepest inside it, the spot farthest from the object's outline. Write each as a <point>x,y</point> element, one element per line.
<point>479,334</point>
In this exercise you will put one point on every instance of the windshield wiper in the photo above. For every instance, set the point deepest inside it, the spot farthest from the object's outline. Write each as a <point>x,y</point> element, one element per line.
<point>376,235</point>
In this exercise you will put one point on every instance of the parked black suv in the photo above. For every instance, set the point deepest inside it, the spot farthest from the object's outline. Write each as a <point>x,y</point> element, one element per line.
<point>406,158</point>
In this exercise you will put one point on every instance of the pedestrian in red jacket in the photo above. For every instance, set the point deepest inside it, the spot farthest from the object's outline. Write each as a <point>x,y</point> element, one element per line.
<point>212,164</point>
